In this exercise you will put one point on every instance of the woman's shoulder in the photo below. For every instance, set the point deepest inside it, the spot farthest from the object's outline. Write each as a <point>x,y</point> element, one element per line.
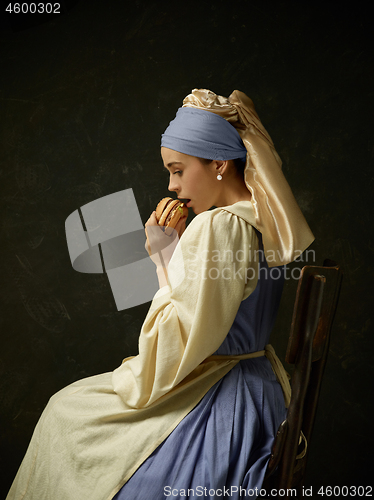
<point>242,210</point>
<point>238,213</point>
<point>230,227</point>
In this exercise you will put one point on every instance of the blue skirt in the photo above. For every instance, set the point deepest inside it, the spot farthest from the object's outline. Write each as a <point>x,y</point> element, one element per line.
<point>224,444</point>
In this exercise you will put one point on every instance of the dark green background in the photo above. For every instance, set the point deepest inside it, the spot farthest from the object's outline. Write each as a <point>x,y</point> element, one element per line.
<point>84,98</point>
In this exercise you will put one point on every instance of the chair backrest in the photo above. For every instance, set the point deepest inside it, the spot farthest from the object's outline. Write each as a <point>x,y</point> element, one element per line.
<point>315,305</point>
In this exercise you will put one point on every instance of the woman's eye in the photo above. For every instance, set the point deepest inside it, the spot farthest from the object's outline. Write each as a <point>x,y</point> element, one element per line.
<point>178,172</point>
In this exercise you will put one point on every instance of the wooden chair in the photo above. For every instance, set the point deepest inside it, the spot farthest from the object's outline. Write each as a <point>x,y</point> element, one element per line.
<point>315,305</point>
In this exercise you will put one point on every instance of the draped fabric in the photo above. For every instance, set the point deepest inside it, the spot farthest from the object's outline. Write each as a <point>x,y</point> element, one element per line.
<point>95,433</point>
<point>196,132</point>
<point>278,217</point>
<point>225,442</point>
<point>185,412</point>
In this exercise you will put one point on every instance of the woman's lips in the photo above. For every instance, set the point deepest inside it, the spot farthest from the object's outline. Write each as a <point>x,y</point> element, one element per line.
<point>186,201</point>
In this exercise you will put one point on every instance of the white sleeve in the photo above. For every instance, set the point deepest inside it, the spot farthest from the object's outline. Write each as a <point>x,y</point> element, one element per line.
<point>210,273</point>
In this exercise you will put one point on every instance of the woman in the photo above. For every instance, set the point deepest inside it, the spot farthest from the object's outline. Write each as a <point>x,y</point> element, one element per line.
<point>195,413</point>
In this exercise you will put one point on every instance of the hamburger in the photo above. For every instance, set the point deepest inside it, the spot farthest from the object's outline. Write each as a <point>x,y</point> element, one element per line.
<point>169,212</point>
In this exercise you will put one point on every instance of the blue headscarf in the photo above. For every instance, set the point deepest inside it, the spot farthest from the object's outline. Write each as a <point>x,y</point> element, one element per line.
<point>200,133</point>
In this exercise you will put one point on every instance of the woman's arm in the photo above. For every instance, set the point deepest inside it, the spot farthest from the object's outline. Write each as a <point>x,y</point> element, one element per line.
<point>210,273</point>
<point>156,240</point>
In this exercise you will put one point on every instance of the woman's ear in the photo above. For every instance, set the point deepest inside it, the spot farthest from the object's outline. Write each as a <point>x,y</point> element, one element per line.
<point>221,166</point>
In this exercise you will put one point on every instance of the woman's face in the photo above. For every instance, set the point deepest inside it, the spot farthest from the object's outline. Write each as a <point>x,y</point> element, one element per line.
<point>192,181</point>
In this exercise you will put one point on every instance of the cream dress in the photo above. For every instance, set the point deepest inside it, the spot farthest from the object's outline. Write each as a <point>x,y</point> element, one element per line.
<point>94,434</point>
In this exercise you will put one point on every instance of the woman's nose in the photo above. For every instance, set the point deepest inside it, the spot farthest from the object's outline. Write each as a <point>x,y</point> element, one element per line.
<point>173,184</point>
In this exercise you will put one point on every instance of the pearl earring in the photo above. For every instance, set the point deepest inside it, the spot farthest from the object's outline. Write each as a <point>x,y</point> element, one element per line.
<point>219,177</point>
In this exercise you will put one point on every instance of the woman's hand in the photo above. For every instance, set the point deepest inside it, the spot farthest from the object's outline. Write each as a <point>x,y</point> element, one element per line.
<point>161,242</point>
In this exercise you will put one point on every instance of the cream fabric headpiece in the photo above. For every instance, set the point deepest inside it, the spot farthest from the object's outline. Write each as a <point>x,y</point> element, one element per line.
<point>285,232</point>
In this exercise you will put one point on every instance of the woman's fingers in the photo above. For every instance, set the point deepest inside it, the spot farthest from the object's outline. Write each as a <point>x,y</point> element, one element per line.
<point>147,245</point>
<point>181,226</point>
<point>157,238</point>
<point>152,221</point>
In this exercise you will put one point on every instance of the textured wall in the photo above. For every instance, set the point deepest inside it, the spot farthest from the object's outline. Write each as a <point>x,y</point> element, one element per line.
<point>84,98</point>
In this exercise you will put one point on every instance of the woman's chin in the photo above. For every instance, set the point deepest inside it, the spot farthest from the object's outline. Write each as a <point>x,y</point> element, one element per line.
<point>200,209</point>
